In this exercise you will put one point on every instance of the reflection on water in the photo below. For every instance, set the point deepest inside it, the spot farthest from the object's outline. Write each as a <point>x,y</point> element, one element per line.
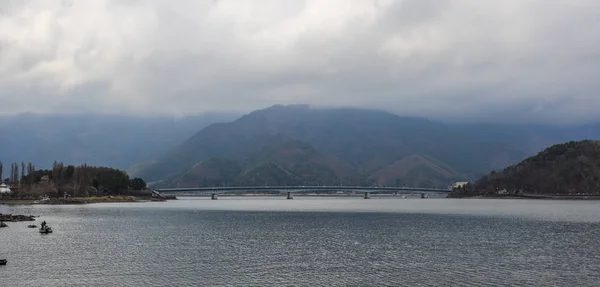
<point>307,242</point>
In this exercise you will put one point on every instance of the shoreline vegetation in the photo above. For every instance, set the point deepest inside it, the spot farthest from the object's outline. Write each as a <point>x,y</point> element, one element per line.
<point>533,196</point>
<point>68,184</point>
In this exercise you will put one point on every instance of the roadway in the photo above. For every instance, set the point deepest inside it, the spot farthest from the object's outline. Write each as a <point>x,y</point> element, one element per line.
<point>296,189</point>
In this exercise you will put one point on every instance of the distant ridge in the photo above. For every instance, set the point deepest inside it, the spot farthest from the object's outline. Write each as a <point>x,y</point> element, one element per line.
<point>102,140</point>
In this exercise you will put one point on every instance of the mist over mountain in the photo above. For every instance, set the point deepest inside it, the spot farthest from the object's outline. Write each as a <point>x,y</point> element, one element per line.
<point>527,137</point>
<point>115,141</point>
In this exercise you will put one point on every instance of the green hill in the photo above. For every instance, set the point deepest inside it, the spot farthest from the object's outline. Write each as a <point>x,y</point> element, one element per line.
<point>284,163</point>
<point>569,168</point>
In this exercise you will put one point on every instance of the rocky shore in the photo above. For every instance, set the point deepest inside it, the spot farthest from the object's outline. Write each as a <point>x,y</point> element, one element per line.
<point>87,200</point>
<point>14,218</point>
<point>77,200</point>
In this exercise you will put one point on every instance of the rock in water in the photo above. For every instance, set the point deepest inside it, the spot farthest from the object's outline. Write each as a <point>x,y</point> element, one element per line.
<point>16,218</point>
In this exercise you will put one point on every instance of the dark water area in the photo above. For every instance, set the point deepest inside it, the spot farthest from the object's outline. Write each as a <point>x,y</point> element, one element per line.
<point>306,242</point>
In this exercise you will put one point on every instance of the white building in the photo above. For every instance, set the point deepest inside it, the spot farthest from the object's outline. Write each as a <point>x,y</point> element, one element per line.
<point>460,184</point>
<point>4,189</point>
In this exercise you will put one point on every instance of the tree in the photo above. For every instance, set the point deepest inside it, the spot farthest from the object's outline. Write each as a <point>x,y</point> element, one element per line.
<point>137,184</point>
<point>22,172</point>
<point>84,178</point>
<point>14,173</point>
<point>69,172</point>
<point>11,174</point>
<point>57,169</point>
<point>30,174</point>
<point>113,180</point>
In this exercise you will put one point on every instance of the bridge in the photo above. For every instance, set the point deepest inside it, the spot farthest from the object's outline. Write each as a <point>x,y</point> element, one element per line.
<point>298,189</point>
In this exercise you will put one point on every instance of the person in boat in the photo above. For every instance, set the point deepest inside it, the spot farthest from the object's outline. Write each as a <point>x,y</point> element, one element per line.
<point>43,224</point>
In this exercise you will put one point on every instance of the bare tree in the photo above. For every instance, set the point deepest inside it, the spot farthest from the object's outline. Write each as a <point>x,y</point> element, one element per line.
<point>16,180</point>
<point>30,174</point>
<point>11,174</point>
<point>22,172</point>
<point>14,172</point>
<point>85,178</point>
<point>57,169</point>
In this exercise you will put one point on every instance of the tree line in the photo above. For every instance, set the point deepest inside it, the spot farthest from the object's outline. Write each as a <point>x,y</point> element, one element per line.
<point>77,181</point>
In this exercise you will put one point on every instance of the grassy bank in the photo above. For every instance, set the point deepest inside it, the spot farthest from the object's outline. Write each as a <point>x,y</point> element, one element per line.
<point>9,201</point>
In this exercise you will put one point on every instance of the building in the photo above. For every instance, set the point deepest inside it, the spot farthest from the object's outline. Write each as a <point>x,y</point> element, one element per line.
<point>4,189</point>
<point>459,184</point>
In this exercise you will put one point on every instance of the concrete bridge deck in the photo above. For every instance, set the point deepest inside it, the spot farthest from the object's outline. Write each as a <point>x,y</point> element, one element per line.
<point>303,189</point>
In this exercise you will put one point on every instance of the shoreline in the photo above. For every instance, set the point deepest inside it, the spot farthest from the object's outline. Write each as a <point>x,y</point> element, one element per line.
<point>82,200</point>
<point>537,197</point>
<point>142,199</point>
<point>310,195</point>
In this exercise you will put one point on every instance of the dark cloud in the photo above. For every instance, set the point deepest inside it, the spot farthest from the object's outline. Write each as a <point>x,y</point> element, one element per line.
<point>510,60</point>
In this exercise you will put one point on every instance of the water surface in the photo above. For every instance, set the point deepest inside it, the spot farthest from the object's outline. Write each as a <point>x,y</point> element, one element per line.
<point>307,242</point>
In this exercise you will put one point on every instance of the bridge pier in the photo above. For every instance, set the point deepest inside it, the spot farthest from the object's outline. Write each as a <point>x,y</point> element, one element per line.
<point>213,196</point>
<point>290,195</point>
<point>367,195</point>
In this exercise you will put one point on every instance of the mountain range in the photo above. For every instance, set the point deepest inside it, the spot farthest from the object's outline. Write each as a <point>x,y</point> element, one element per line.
<point>306,146</point>
<point>280,145</point>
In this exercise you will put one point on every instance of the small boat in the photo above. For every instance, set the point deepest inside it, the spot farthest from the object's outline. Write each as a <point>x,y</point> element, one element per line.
<point>32,226</point>
<point>45,230</point>
<point>3,261</point>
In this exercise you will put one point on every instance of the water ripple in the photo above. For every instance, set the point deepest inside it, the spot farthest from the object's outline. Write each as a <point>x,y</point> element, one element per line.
<point>162,245</point>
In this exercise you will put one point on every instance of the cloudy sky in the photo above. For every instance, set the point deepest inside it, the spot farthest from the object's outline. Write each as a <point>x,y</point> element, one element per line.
<point>516,60</point>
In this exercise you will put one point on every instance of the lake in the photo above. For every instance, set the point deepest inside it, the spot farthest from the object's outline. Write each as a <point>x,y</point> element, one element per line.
<point>307,241</point>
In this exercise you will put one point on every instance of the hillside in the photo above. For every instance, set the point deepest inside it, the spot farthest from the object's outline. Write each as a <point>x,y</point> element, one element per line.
<point>569,168</point>
<point>359,146</point>
<point>288,162</point>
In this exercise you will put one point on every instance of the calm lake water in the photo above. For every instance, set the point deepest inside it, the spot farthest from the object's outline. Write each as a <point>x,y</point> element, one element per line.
<point>307,242</point>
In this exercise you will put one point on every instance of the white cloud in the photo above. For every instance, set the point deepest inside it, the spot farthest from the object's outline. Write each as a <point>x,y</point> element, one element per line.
<point>461,59</point>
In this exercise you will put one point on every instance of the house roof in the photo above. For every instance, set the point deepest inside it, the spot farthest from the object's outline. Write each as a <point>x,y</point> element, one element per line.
<point>4,188</point>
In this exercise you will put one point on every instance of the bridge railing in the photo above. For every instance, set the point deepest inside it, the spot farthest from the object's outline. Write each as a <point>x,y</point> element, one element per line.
<point>305,188</point>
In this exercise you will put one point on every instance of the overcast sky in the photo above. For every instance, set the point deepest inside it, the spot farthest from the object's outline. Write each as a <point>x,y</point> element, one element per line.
<point>492,60</point>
